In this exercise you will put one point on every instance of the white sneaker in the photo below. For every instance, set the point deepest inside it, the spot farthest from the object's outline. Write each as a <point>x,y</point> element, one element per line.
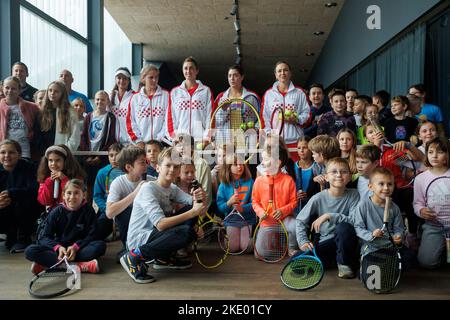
<point>345,272</point>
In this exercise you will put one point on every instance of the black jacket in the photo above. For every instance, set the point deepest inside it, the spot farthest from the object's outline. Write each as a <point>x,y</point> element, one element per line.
<point>65,227</point>
<point>21,183</point>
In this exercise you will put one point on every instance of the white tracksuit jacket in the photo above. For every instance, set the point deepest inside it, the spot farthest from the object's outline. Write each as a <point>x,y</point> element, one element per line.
<point>188,114</point>
<point>147,117</point>
<point>294,100</point>
<point>120,110</point>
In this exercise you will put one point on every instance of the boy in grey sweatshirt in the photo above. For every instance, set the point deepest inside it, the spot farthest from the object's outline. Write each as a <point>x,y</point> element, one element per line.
<point>328,213</point>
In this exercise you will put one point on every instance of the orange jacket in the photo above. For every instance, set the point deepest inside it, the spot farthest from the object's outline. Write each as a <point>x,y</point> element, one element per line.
<point>285,196</point>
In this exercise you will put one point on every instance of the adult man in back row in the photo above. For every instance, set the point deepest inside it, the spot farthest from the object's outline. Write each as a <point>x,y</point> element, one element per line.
<point>67,77</point>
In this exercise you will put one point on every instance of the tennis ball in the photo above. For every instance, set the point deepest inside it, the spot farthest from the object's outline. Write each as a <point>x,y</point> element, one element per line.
<point>280,116</point>
<point>250,124</point>
<point>199,146</point>
<point>243,126</point>
<point>288,113</point>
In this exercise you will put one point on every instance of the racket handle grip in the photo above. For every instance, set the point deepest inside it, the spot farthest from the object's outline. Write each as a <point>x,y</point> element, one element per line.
<point>195,185</point>
<point>56,185</point>
<point>387,207</point>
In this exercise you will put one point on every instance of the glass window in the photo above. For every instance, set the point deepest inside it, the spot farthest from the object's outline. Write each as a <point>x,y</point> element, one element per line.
<point>117,50</point>
<point>46,51</point>
<point>71,13</point>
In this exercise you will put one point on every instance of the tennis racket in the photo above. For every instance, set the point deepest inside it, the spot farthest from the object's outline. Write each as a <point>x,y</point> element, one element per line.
<point>112,174</point>
<point>210,234</point>
<point>399,162</point>
<point>237,229</point>
<point>381,261</point>
<point>54,281</point>
<point>303,271</point>
<point>270,243</point>
<point>437,198</point>
<point>237,122</point>
<point>277,120</point>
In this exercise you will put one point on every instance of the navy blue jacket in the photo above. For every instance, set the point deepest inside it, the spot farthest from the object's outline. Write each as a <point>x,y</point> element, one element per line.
<point>64,227</point>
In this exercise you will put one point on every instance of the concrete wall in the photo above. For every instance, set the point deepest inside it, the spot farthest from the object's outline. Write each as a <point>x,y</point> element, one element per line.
<point>351,41</point>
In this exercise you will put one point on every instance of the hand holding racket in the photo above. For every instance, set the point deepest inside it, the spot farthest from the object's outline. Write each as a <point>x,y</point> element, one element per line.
<point>303,271</point>
<point>270,242</point>
<point>54,281</point>
<point>381,262</point>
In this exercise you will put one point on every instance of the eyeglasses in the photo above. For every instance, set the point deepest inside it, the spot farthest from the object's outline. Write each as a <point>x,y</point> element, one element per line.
<point>336,172</point>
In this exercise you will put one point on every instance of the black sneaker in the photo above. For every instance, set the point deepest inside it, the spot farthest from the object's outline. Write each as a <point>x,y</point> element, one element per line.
<point>18,247</point>
<point>172,263</point>
<point>135,269</point>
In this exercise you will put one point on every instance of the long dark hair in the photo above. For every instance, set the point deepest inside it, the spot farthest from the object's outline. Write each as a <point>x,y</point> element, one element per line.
<point>72,168</point>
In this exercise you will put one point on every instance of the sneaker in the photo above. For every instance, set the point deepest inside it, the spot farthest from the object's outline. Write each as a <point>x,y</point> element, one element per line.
<point>181,253</point>
<point>172,263</point>
<point>37,268</point>
<point>120,254</point>
<point>89,266</point>
<point>18,247</point>
<point>292,252</point>
<point>345,272</point>
<point>135,269</point>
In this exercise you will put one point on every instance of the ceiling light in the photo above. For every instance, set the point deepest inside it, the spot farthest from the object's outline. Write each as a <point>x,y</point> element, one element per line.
<point>330,4</point>
<point>237,40</point>
<point>319,33</point>
<point>238,50</point>
<point>237,25</point>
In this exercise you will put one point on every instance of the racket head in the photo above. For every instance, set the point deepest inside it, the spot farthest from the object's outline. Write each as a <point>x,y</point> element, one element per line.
<point>277,121</point>
<point>235,220</point>
<point>237,122</point>
<point>380,267</point>
<point>303,271</point>
<point>54,281</point>
<point>207,249</point>
<point>437,198</point>
<point>399,162</point>
<point>270,243</point>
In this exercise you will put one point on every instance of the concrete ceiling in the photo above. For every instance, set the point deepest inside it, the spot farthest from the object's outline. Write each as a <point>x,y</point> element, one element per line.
<point>271,30</point>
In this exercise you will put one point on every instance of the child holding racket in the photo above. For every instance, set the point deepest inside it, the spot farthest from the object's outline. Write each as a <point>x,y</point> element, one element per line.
<point>284,197</point>
<point>328,213</point>
<point>368,216</point>
<point>432,202</point>
<point>235,190</point>
<point>154,234</point>
<point>70,231</point>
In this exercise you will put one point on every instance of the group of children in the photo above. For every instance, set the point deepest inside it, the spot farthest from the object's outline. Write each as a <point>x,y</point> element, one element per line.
<point>335,188</point>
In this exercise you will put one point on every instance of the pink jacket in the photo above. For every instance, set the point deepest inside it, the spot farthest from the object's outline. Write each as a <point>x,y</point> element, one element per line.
<point>30,113</point>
